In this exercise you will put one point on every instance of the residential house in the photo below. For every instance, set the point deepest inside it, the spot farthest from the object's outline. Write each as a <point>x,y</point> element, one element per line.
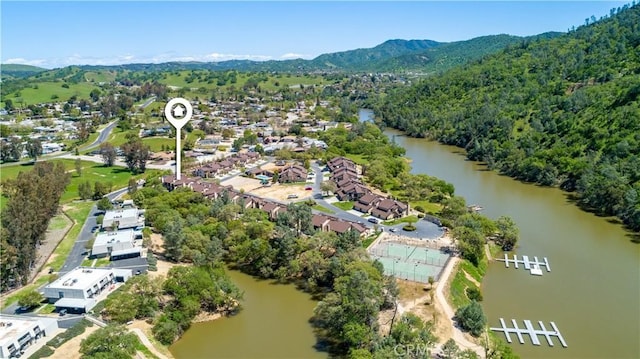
<point>293,173</point>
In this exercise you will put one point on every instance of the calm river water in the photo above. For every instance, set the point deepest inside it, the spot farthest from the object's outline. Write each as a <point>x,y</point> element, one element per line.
<point>272,324</point>
<point>593,290</point>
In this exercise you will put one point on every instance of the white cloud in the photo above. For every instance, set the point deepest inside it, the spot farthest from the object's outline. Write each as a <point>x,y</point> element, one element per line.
<point>77,59</point>
<point>21,61</point>
<point>224,57</point>
<point>292,55</point>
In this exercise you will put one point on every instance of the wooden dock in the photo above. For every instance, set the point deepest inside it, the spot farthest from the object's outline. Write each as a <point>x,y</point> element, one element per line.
<point>530,331</point>
<point>534,266</point>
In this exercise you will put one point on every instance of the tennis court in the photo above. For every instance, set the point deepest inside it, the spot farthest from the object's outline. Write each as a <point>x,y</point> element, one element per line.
<point>410,262</point>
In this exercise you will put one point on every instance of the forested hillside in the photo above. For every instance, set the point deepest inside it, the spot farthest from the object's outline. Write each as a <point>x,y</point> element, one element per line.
<point>562,111</point>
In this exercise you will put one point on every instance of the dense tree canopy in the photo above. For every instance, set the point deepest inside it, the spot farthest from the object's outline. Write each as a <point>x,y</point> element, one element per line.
<point>33,199</point>
<point>563,111</point>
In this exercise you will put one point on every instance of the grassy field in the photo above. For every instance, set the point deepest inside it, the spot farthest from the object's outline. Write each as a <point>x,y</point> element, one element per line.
<point>79,212</point>
<point>91,171</point>
<point>358,159</point>
<point>156,143</point>
<point>45,90</point>
<point>100,76</point>
<point>429,207</point>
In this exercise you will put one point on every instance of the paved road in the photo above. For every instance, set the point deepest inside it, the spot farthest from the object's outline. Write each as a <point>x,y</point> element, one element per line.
<point>77,255</point>
<point>148,102</point>
<point>103,136</point>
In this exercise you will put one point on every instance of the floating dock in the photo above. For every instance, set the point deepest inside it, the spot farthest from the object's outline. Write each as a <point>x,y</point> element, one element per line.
<point>534,266</point>
<point>530,331</point>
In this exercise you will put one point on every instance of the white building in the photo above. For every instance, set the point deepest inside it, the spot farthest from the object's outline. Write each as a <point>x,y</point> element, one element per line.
<point>107,242</point>
<point>78,289</point>
<point>123,218</point>
<point>19,332</point>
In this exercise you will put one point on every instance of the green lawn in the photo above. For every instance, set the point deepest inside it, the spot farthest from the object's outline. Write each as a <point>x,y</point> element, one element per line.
<point>320,208</point>
<point>429,207</point>
<point>345,206</point>
<point>58,222</point>
<point>94,172</point>
<point>407,219</point>
<point>155,143</point>
<point>358,159</point>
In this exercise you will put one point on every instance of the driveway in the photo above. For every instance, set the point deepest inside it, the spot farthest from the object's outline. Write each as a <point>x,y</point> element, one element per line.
<point>77,255</point>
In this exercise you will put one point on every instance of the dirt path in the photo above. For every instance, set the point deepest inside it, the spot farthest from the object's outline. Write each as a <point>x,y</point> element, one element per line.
<point>145,341</point>
<point>52,238</point>
<point>458,335</point>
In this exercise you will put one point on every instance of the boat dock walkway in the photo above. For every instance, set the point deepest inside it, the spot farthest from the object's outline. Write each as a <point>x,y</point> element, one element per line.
<point>531,331</point>
<point>531,265</point>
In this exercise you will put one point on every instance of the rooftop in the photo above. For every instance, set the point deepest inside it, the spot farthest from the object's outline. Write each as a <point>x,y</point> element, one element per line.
<point>103,238</point>
<point>80,278</point>
<point>10,326</point>
<point>121,213</point>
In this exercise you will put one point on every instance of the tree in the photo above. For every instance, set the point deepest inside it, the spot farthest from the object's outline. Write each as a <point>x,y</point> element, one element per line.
<point>12,150</point>
<point>30,299</point>
<point>112,341</point>
<point>228,133</point>
<point>78,165</point>
<point>328,187</point>
<point>132,186</point>
<point>136,154</point>
<point>450,349</point>
<point>104,204</point>
<point>34,148</point>
<point>85,190</point>
<point>99,190</point>
<point>472,318</point>
<point>507,233</point>
<point>108,153</point>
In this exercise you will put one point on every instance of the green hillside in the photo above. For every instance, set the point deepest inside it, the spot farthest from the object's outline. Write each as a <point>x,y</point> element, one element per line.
<point>9,71</point>
<point>563,111</point>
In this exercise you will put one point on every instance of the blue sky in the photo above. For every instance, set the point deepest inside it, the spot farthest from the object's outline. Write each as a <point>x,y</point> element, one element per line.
<point>57,34</point>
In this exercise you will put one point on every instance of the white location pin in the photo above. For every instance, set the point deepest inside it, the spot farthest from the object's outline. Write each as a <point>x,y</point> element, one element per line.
<point>178,112</point>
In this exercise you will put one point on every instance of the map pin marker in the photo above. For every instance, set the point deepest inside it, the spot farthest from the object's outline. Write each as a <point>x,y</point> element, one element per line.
<point>178,112</point>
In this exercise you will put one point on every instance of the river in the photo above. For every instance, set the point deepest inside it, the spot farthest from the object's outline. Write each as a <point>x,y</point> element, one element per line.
<point>274,323</point>
<point>593,290</point>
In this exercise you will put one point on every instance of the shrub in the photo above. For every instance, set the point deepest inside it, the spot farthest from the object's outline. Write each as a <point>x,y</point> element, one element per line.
<point>419,209</point>
<point>409,228</point>
<point>474,293</point>
<point>43,352</point>
<point>420,215</point>
<point>472,318</point>
<point>71,333</point>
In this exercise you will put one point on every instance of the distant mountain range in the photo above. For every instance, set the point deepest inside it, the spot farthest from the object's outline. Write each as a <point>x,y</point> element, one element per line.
<point>424,56</point>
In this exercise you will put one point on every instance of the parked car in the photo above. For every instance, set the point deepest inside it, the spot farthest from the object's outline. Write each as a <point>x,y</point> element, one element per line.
<point>308,188</point>
<point>62,312</point>
<point>394,230</point>
<point>292,196</point>
<point>373,220</point>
